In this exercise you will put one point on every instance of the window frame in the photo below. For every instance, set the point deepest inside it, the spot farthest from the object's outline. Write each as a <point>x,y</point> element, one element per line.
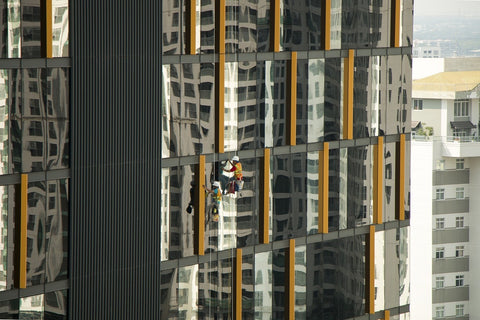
<point>461,108</point>
<point>460,280</point>
<point>440,223</point>
<point>460,164</point>
<point>459,251</point>
<point>417,104</point>
<point>440,253</point>
<point>440,194</point>
<point>459,307</point>
<point>439,282</point>
<point>460,222</point>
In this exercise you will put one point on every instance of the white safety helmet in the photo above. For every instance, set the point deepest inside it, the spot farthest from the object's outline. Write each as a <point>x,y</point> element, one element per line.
<point>216,184</point>
<point>235,158</point>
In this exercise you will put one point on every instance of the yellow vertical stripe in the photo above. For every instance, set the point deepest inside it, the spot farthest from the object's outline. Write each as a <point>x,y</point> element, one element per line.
<point>400,178</point>
<point>292,101</point>
<point>323,168</point>
<point>327,24</point>
<point>23,231</point>
<point>265,199</point>
<point>238,285</point>
<point>46,28</point>
<point>199,214</point>
<point>348,96</point>
<point>370,271</point>
<point>290,283</point>
<point>220,104</point>
<point>220,26</point>
<point>387,315</point>
<point>191,17</point>
<point>275,25</point>
<point>378,182</point>
<point>397,24</point>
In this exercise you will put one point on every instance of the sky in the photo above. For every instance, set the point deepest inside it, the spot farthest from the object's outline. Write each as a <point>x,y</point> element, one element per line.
<point>447,7</point>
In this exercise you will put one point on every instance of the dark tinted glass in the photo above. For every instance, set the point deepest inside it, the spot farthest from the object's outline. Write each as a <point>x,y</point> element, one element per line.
<point>248,282</point>
<point>406,94</point>
<point>314,23</point>
<point>333,92</point>
<point>394,94</point>
<point>246,203</point>
<point>380,23</point>
<point>36,233</point>
<point>247,26</point>
<point>9,309</point>
<point>8,231</point>
<point>56,305</point>
<point>278,272</point>
<point>31,29</point>
<point>359,186</point>
<point>263,25</point>
<point>168,294</point>
<point>356,24</point>
<point>56,231</point>
<point>361,97</point>
<point>334,190</point>
<point>294,25</point>
<point>302,128</point>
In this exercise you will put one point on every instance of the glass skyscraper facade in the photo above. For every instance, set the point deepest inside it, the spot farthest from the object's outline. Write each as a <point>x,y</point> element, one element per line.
<point>114,114</point>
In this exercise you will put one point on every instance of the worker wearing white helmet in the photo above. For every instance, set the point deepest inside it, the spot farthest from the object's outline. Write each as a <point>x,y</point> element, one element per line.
<point>237,178</point>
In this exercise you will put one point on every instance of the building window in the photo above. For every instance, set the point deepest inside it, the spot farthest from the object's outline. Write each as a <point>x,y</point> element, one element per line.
<point>459,310</point>
<point>440,194</point>
<point>460,164</point>
<point>439,282</point>
<point>459,251</point>
<point>459,280</point>
<point>439,223</point>
<point>459,222</point>
<point>439,312</point>
<point>440,165</point>
<point>417,104</point>
<point>460,193</point>
<point>461,108</point>
<point>439,253</point>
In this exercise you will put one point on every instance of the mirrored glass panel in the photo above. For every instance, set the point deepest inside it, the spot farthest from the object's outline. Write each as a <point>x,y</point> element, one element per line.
<point>171,110</point>
<point>359,199</point>
<point>187,292</point>
<point>377,92</point>
<point>379,271</point>
<point>406,31</point>
<point>56,231</point>
<point>389,181</point>
<point>172,27</point>
<point>392,276</point>
<point>263,285</point>
<point>407,179</point>
<point>7,230</point>
<point>58,119</point>
<point>247,26</point>
<point>231,107</point>
<point>293,26</point>
<point>248,287</point>
<point>207,26</point>
<point>15,110</point>
<point>5,83</point>
<point>32,307</point>
<point>60,28</point>
<point>56,305</point>
<point>380,23</point>
<point>343,189</point>
<point>394,95</point>
<point>279,110</point>
<point>247,105</point>
<point>336,24</point>
<point>9,309</point>
<point>31,29</point>
<point>10,33</point>
<point>301,282</point>
<point>279,279</point>
<point>215,289</point>
<point>34,122</point>
<point>356,24</point>
<point>314,23</point>
<point>316,99</point>
<point>312,192</point>
<point>404,266</point>
<point>362,98</point>
<point>168,294</point>
<point>36,233</point>
<point>265,103</point>
<point>406,94</point>
<point>232,12</point>
<point>247,204</point>
<point>302,125</point>
<point>334,185</point>
<point>333,98</point>
<point>263,25</point>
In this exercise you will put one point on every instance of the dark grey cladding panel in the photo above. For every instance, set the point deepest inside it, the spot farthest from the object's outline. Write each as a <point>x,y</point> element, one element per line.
<point>115,159</point>
<point>450,235</point>
<point>450,206</point>
<point>450,177</point>
<point>450,265</point>
<point>451,294</point>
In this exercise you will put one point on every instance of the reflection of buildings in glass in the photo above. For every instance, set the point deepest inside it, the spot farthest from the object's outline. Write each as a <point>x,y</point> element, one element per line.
<point>336,24</point>
<point>10,29</point>
<point>231,106</point>
<point>263,285</point>
<point>187,292</point>
<point>60,28</point>
<point>31,28</point>
<point>215,290</point>
<point>359,184</point>
<point>172,27</point>
<point>36,253</point>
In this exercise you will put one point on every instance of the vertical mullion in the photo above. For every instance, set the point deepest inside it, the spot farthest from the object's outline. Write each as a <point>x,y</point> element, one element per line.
<point>348,96</point>
<point>326,11</point>
<point>190,26</point>
<point>292,101</point>
<point>400,178</point>
<point>238,285</point>
<point>23,232</point>
<point>265,198</point>
<point>220,104</point>
<point>275,25</point>
<point>46,37</point>
<point>220,26</point>
<point>290,281</point>
<point>370,271</point>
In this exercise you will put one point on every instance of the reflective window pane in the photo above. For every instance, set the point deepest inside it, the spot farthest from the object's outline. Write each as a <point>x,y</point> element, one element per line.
<point>362,99</point>
<point>293,26</point>
<point>56,305</point>
<point>36,234</point>
<point>389,182</point>
<point>316,100</point>
<point>31,29</point>
<point>333,98</point>
<point>263,25</point>
<point>60,32</point>
<point>248,287</point>
<point>359,199</point>
<point>168,294</point>
<point>172,27</point>
<point>7,229</point>
<point>247,105</point>
<point>263,285</point>
<point>32,307</point>
<point>312,192</point>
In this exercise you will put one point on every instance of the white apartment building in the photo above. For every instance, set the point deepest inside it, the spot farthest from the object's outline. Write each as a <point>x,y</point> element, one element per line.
<point>445,196</point>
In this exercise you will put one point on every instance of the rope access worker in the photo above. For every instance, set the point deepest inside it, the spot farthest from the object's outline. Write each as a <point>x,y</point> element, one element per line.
<point>237,178</point>
<point>216,199</point>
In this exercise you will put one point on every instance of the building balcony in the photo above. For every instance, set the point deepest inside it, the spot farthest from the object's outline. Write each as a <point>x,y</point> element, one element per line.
<point>449,265</point>
<point>461,147</point>
<point>450,294</point>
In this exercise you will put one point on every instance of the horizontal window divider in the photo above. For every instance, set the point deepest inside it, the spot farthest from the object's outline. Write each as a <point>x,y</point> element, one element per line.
<point>11,179</point>
<point>23,63</point>
<point>283,55</point>
<point>34,290</point>
<point>380,314</point>
<point>282,150</point>
<point>277,245</point>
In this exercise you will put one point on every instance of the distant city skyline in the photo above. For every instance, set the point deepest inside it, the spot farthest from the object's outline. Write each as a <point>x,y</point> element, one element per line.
<point>447,7</point>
